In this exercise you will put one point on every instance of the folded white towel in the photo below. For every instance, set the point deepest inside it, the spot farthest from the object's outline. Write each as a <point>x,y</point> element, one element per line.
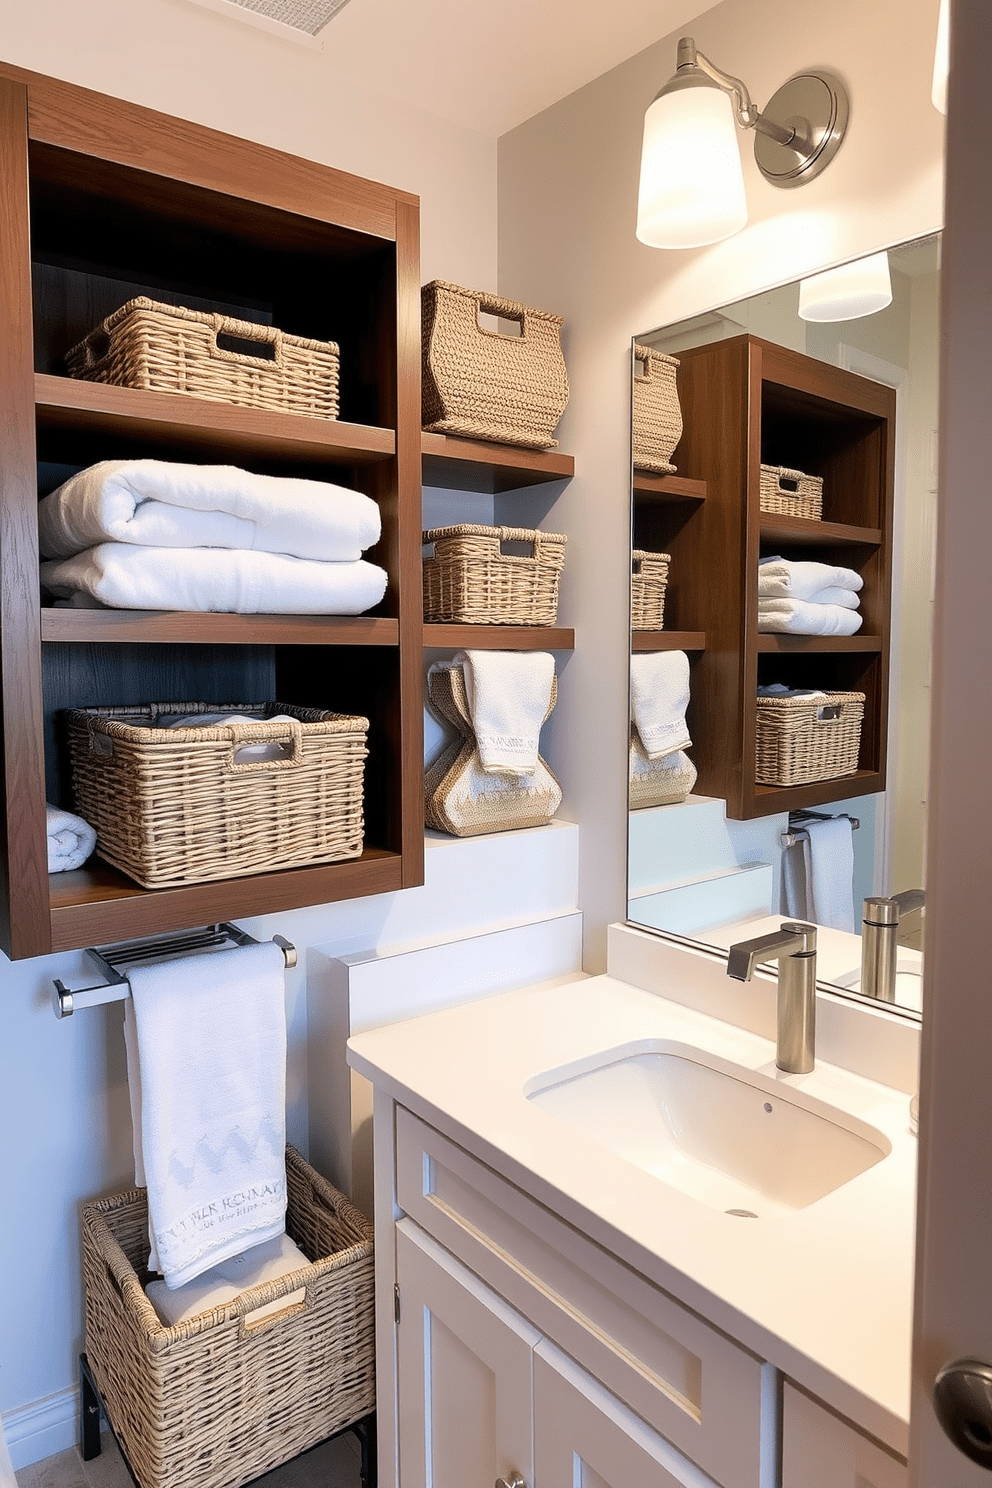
<point>848,599</point>
<point>778,577</point>
<point>831,872</point>
<point>659,696</point>
<point>221,1284</point>
<point>206,1045</point>
<point>508,693</point>
<point>795,617</point>
<point>268,749</point>
<point>70,840</point>
<point>160,504</point>
<point>221,579</point>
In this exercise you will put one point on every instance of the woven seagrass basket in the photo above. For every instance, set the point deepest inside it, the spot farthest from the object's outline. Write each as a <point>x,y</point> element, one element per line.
<point>648,582</point>
<point>169,349</point>
<point>219,1399</point>
<point>470,580</point>
<point>801,739</point>
<point>483,384</point>
<point>657,414</point>
<point>177,805</point>
<point>663,782</point>
<point>790,493</point>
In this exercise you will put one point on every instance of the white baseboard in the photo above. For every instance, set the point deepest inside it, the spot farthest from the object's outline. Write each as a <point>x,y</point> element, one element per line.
<point>42,1428</point>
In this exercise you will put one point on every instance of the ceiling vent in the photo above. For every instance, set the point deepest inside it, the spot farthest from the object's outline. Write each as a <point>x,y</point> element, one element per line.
<point>294,20</point>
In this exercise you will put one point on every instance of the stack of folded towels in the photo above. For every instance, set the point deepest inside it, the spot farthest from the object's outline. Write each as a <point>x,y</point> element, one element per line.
<point>807,598</point>
<point>154,535</point>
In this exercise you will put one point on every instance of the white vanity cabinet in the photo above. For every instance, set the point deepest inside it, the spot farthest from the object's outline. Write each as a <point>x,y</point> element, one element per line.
<point>820,1450</point>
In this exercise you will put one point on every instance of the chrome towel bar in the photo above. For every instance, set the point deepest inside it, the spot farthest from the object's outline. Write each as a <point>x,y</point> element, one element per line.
<point>797,831</point>
<point>116,987</point>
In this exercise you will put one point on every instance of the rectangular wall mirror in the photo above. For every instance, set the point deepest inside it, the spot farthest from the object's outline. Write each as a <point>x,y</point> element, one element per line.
<point>796,786</point>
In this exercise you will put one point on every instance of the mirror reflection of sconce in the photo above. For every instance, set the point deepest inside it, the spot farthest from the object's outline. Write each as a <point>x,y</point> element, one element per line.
<point>942,58</point>
<point>847,293</point>
<point>692,184</point>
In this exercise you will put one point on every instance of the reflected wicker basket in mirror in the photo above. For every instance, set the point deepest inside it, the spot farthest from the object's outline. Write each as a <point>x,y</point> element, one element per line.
<point>648,583</point>
<point>656,415</point>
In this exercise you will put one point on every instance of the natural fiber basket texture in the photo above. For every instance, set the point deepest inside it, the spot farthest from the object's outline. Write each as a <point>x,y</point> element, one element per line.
<point>169,349</point>
<point>790,493</point>
<point>175,805</point>
<point>483,384</point>
<point>648,582</point>
<point>663,782</point>
<point>218,1400</point>
<point>801,739</point>
<point>460,798</point>
<point>470,580</point>
<point>657,414</point>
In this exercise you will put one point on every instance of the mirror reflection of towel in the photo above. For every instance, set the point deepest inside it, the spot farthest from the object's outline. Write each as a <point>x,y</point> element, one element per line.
<point>818,874</point>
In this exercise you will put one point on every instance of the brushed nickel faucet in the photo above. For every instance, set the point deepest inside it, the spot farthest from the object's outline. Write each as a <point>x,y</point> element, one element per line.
<point>794,948</point>
<point>880,941</point>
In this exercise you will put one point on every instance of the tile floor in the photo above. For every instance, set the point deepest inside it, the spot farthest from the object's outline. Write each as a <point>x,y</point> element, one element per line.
<point>335,1465</point>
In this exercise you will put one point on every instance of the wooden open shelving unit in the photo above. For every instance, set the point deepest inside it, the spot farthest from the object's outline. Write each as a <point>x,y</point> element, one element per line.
<point>745,402</point>
<point>668,640</point>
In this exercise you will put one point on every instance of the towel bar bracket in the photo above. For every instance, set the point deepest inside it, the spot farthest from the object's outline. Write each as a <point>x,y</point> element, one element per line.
<point>109,959</point>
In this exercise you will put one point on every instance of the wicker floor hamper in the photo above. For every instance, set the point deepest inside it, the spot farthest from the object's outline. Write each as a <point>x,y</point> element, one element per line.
<point>217,1400</point>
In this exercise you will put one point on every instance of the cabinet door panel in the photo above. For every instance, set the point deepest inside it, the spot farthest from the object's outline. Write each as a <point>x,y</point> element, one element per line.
<point>465,1374</point>
<point>819,1450</point>
<point>585,1438</point>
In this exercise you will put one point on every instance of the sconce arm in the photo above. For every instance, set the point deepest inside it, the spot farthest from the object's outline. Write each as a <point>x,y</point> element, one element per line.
<point>749,116</point>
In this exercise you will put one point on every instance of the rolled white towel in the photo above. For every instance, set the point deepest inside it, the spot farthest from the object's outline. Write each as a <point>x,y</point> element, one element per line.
<point>794,617</point>
<point>782,579</point>
<point>215,579</point>
<point>659,696</point>
<point>508,693</point>
<point>163,504</point>
<point>70,840</point>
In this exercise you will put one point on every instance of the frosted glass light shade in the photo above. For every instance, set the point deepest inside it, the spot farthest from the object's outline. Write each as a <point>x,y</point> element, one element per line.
<point>692,184</point>
<point>847,293</point>
<point>941,59</point>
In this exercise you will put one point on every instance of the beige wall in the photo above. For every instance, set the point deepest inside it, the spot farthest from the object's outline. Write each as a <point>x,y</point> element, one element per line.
<point>567,192</point>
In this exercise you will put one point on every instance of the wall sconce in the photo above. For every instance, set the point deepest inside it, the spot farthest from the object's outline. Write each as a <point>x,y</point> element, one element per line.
<point>855,289</point>
<point>692,184</point>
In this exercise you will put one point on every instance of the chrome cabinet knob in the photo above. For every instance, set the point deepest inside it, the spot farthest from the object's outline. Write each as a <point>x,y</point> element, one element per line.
<point>514,1481</point>
<point>962,1400</point>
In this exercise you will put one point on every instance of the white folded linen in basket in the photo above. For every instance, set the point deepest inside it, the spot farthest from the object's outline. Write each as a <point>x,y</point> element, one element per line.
<point>221,1284</point>
<point>508,693</point>
<point>215,579</point>
<point>659,696</point>
<point>779,578</point>
<point>156,503</point>
<point>795,617</point>
<point>206,1056</point>
<point>70,840</point>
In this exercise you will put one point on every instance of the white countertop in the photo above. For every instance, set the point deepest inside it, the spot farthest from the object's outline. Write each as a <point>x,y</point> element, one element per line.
<point>824,1293</point>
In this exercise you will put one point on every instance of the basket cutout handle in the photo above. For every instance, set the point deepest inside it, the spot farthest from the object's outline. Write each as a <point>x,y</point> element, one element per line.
<point>829,713</point>
<point>642,368</point>
<point>258,345</point>
<point>249,1324</point>
<point>513,539</point>
<point>788,481</point>
<point>288,735</point>
<point>96,347</point>
<point>493,305</point>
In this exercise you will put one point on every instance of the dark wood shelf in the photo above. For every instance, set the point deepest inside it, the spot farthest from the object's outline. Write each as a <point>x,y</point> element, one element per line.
<point>668,487</point>
<point>478,465</point>
<point>770,799</point>
<point>668,640</point>
<point>164,627</point>
<point>499,637</point>
<point>97,904</point>
<point>794,644</point>
<point>193,426</point>
<point>816,534</point>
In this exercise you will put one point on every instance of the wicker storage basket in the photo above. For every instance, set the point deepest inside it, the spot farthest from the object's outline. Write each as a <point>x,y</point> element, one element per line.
<point>469,580</point>
<point>663,782</point>
<point>801,739</point>
<point>657,416</point>
<point>485,385</point>
<point>215,1401</point>
<point>169,349</point>
<point>648,582</point>
<point>175,805</point>
<point>790,493</point>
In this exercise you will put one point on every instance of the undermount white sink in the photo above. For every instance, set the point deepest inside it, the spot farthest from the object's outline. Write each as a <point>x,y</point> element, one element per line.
<point>726,1135</point>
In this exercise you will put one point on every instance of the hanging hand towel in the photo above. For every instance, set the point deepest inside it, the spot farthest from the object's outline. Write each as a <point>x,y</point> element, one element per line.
<point>778,578</point>
<point>215,579</point>
<point>157,503</point>
<point>795,617</point>
<point>207,1070</point>
<point>831,872</point>
<point>795,880</point>
<point>659,696</point>
<point>508,693</point>
<point>70,840</point>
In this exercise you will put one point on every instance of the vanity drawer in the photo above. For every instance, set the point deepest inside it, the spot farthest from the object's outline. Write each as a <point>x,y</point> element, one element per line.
<point>691,1383</point>
<point>821,1450</point>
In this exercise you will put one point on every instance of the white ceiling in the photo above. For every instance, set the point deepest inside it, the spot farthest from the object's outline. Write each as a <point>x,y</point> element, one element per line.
<point>491,64</point>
